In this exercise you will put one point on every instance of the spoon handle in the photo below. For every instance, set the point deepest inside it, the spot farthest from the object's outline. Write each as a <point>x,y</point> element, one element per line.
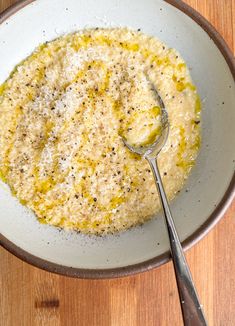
<point>191,308</point>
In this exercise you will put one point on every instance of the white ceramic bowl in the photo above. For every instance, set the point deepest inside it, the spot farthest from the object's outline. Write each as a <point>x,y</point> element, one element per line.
<point>210,187</point>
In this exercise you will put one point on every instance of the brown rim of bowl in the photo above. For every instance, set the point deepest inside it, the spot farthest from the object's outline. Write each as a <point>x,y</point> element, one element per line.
<point>190,241</point>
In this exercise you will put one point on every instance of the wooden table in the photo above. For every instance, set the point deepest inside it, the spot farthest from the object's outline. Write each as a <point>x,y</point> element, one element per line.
<point>30,296</point>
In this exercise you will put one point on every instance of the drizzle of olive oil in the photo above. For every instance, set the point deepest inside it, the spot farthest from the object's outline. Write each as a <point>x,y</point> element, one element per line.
<point>44,185</point>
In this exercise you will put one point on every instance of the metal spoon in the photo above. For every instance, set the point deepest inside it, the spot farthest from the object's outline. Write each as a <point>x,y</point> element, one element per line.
<point>191,308</point>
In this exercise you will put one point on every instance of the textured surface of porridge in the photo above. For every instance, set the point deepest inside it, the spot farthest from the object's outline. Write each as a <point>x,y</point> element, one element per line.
<point>63,111</point>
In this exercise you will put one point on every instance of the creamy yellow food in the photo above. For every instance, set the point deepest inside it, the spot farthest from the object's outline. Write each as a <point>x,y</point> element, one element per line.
<point>63,113</point>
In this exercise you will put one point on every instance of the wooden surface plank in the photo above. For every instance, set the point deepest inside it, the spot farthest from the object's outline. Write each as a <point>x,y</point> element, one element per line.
<point>30,296</point>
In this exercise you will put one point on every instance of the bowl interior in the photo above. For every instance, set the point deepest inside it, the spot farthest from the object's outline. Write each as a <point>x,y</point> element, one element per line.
<point>44,20</point>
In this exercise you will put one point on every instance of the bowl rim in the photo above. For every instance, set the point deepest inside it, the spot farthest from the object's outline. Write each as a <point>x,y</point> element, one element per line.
<point>215,216</point>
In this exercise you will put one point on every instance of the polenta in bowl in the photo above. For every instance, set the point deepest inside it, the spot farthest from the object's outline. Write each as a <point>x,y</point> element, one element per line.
<point>63,113</point>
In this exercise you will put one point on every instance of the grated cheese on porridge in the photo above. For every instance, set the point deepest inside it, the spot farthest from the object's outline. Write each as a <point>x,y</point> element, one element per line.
<point>63,113</point>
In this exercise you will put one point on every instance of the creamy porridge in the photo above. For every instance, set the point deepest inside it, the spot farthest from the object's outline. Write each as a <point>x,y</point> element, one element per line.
<point>63,112</point>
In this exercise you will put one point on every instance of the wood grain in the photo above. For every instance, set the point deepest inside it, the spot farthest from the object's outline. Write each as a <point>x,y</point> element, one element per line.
<point>30,296</point>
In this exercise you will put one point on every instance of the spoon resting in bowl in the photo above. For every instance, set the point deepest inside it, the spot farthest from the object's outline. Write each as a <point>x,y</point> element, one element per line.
<point>190,305</point>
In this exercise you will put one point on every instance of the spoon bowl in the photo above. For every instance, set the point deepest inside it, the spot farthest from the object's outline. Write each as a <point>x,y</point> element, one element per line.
<point>153,149</point>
